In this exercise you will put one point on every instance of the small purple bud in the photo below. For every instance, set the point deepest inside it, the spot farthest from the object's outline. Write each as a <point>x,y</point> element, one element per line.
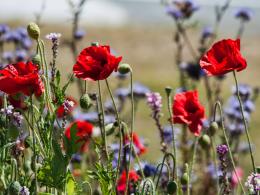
<point>222,150</point>
<point>79,34</point>
<point>244,14</point>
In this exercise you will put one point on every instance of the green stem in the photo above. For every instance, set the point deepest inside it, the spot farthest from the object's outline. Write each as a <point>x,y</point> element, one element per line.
<point>213,146</point>
<point>192,162</point>
<point>119,126</point>
<point>103,117</point>
<point>34,148</point>
<point>245,123</point>
<point>169,103</point>
<point>218,105</point>
<point>131,130</point>
<point>44,67</point>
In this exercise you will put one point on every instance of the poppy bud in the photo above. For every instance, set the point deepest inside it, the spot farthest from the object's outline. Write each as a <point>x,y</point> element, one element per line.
<point>168,90</point>
<point>204,141</point>
<point>171,187</point>
<point>14,188</point>
<point>36,59</point>
<point>95,44</point>
<point>33,30</point>
<point>124,68</point>
<point>109,128</point>
<point>185,179</point>
<point>213,128</point>
<point>85,102</point>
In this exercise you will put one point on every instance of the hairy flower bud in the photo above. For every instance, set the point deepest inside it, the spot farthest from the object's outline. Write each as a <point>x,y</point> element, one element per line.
<point>213,128</point>
<point>85,101</point>
<point>171,187</point>
<point>33,30</point>
<point>124,68</point>
<point>36,59</point>
<point>204,141</point>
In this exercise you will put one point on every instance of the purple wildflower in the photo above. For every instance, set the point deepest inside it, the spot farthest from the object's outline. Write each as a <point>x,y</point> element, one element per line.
<point>253,183</point>
<point>245,14</point>
<point>154,100</point>
<point>222,150</point>
<point>79,34</point>
<point>24,191</point>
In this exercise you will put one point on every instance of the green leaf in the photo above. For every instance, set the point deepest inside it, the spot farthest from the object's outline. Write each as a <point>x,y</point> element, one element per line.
<point>58,77</point>
<point>72,145</point>
<point>70,184</point>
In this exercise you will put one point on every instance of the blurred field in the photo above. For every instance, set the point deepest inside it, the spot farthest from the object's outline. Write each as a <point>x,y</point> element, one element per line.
<point>150,51</point>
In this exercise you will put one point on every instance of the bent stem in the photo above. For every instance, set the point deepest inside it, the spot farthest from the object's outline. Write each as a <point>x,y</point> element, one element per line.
<point>218,105</point>
<point>245,123</point>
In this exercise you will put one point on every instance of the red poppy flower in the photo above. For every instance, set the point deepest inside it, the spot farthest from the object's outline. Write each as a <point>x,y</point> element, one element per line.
<point>137,143</point>
<point>223,57</point>
<point>121,183</point>
<point>84,132</point>
<point>21,77</point>
<point>96,63</point>
<point>188,110</point>
<point>66,109</point>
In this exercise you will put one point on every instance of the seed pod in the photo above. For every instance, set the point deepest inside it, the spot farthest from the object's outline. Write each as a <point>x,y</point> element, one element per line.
<point>185,179</point>
<point>171,187</point>
<point>205,141</point>
<point>33,31</point>
<point>85,102</point>
<point>124,68</point>
<point>168,90</point>
<point>36,59</point>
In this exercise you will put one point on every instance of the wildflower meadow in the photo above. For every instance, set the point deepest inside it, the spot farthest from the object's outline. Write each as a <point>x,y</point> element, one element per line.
<point>76,116</point>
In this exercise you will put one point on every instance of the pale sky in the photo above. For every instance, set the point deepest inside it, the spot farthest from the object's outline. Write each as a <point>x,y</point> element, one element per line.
<point>104,12</point>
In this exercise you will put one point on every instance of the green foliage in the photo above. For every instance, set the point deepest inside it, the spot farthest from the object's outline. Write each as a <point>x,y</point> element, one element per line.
<point>104,174</point>
<point>53,172</point>
<point>70,184</point>
<point>72,145</point>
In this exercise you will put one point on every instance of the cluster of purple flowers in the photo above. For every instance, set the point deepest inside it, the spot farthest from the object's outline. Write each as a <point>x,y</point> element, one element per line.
<point>182,9</point>
<point>20,39</point>
<point>16,117</point>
